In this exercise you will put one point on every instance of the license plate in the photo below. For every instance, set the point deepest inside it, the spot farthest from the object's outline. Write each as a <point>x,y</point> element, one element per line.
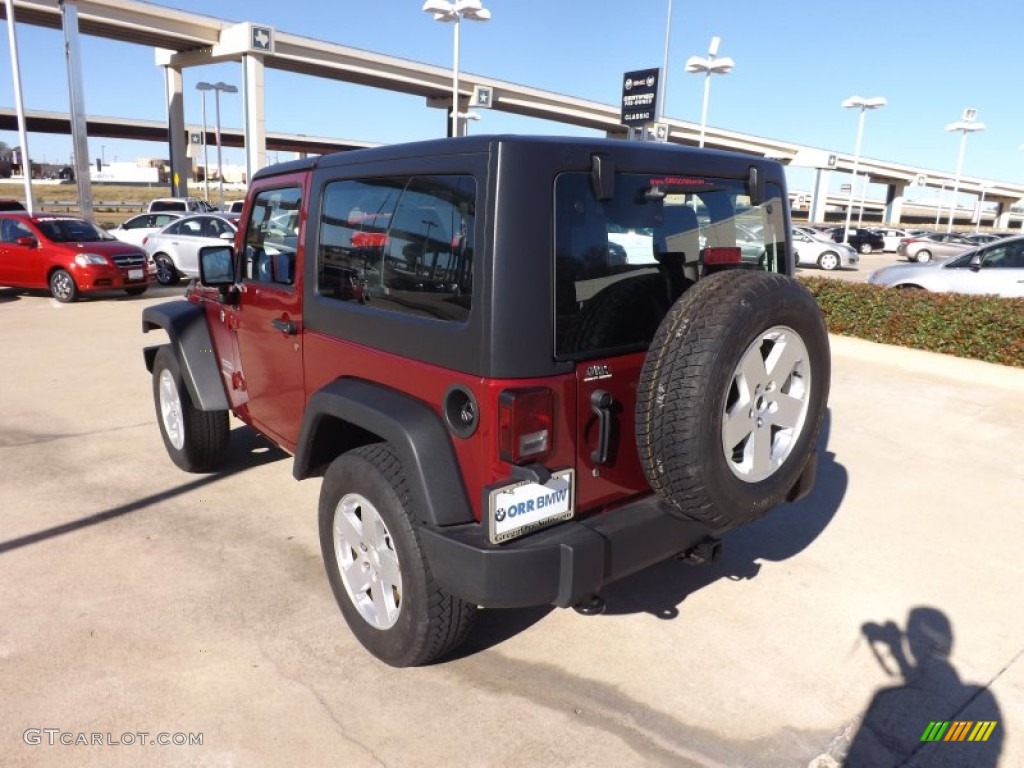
<point>518,508</point>
<point>135,274</point>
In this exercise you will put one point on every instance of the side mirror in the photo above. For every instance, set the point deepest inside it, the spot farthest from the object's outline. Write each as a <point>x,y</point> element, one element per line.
<point>216,266</point>
<point>975,263</point>
<point>229,236</point>
<point>28,241</point>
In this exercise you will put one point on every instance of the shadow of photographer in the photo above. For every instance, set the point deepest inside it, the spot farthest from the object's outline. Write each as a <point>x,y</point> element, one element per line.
<point>933,718</point>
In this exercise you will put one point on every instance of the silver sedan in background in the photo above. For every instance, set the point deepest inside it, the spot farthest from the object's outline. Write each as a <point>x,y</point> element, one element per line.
<point>996,269</point>
<point>822,252</point>
<point>175,248</point>
<point>936,245</point>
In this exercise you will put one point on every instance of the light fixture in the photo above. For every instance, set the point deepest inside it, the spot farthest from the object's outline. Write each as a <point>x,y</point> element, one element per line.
<point>712,64</point>
<point>968,123</point>
<point>446,11</point>
<point>858,102</point>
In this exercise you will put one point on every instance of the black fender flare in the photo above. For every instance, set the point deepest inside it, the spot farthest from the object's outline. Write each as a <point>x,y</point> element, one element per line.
<point>185,324</point>
<point>416,433</point>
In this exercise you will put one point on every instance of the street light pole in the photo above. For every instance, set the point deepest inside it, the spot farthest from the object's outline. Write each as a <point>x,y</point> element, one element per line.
<point>203,88</point>
<point>217,89</point>
<point>938,206</point>
<point>967,124</point>
<point>856,102</point>
<point>454,11</point>
<point>663,75</point>
<point>713,64</point>
<point>981,206</point>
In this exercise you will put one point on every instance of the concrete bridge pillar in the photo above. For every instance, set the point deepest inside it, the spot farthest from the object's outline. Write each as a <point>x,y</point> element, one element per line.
<point>180,165</point>
<point>894,203</point>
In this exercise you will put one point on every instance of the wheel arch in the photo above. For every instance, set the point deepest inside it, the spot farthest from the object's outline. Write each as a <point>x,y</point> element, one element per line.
<point>185,325</point>
<point>348,413</point>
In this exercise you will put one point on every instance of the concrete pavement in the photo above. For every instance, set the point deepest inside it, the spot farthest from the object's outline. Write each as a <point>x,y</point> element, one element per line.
<point>136,598</point>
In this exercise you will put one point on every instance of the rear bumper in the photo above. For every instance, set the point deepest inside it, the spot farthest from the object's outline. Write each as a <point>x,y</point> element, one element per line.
<point>562,565</point>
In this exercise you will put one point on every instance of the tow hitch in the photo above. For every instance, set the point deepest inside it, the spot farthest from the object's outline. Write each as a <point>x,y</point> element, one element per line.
<point>704,552</point>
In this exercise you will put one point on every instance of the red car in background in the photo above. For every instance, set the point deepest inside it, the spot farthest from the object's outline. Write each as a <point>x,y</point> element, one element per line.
<point>68,256</point>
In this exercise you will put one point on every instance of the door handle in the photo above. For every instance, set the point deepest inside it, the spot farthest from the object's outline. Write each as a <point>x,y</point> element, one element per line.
<point>285,326</point>
<point>601,404</point>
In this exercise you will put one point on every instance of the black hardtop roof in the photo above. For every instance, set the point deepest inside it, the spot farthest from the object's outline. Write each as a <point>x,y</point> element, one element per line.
<point>488,143</point>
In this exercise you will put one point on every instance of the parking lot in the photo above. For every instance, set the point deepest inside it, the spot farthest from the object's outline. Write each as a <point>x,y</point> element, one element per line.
<point>139,601</point>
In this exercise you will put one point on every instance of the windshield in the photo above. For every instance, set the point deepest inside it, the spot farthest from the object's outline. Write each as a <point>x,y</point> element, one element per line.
<point>72,231</point>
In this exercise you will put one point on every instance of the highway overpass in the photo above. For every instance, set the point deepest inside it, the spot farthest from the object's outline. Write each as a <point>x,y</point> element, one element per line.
<point>184,39</point>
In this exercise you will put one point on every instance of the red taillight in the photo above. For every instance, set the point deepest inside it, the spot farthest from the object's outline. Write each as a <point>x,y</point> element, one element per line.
<point>525,421</point>
<point>145,239</point>
<point>722,254</point>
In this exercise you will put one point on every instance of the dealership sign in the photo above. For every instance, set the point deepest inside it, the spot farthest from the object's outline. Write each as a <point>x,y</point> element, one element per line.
<point>640,96</point>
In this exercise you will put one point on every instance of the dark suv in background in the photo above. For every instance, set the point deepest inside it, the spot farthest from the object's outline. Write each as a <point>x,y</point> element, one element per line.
<point>863,240</point>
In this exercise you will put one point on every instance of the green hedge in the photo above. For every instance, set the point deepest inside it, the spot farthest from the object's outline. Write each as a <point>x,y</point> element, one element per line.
<point>980,327</point>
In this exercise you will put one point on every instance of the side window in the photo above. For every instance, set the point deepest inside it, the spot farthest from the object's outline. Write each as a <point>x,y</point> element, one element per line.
<point>11,230</point>
<point>1007,256</point>
<point>272,236</point>
<point>406,244</point>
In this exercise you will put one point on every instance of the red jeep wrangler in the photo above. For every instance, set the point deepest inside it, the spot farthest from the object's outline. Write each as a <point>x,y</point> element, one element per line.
<point>525,367</point>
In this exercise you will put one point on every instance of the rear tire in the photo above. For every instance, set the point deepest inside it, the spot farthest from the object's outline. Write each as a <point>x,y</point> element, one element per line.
<point>195,440</point>
<point>376,567</point>
<point>732,395</point>
<point>866,248</point>
<point>923,257</point>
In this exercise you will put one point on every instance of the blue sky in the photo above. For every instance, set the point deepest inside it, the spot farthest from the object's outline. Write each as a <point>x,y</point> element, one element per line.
<point>795,63</point>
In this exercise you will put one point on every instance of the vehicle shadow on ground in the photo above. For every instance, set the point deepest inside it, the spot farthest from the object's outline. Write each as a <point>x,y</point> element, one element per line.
<point>248,451</point>
<point>9,294</point>
<point>783,533</point>
<point>658,590</point>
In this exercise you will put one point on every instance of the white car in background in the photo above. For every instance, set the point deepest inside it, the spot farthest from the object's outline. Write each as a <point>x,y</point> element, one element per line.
<point>822,252</point>
<point>137,228</point>
<point>996,269</point>
<point>175,248</point>
<point>892,237</point>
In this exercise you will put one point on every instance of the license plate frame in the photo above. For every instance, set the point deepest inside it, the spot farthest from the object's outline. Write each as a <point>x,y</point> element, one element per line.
<point>136,274</point>
<point>517,508</point>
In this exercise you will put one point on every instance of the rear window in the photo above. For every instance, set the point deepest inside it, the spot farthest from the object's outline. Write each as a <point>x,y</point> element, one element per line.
<point>620,263</point>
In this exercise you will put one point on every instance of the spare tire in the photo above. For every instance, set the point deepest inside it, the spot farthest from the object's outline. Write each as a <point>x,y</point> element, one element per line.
<point>732,395</point>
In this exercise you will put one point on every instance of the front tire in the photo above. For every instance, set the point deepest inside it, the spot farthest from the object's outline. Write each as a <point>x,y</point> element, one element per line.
<point>865,248</point>
<point>195,440</point>
<point>828,261</point>
<point>732,396</point>
<point>375,564</point>
<point>166,272</point>
<point>62,286</point>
